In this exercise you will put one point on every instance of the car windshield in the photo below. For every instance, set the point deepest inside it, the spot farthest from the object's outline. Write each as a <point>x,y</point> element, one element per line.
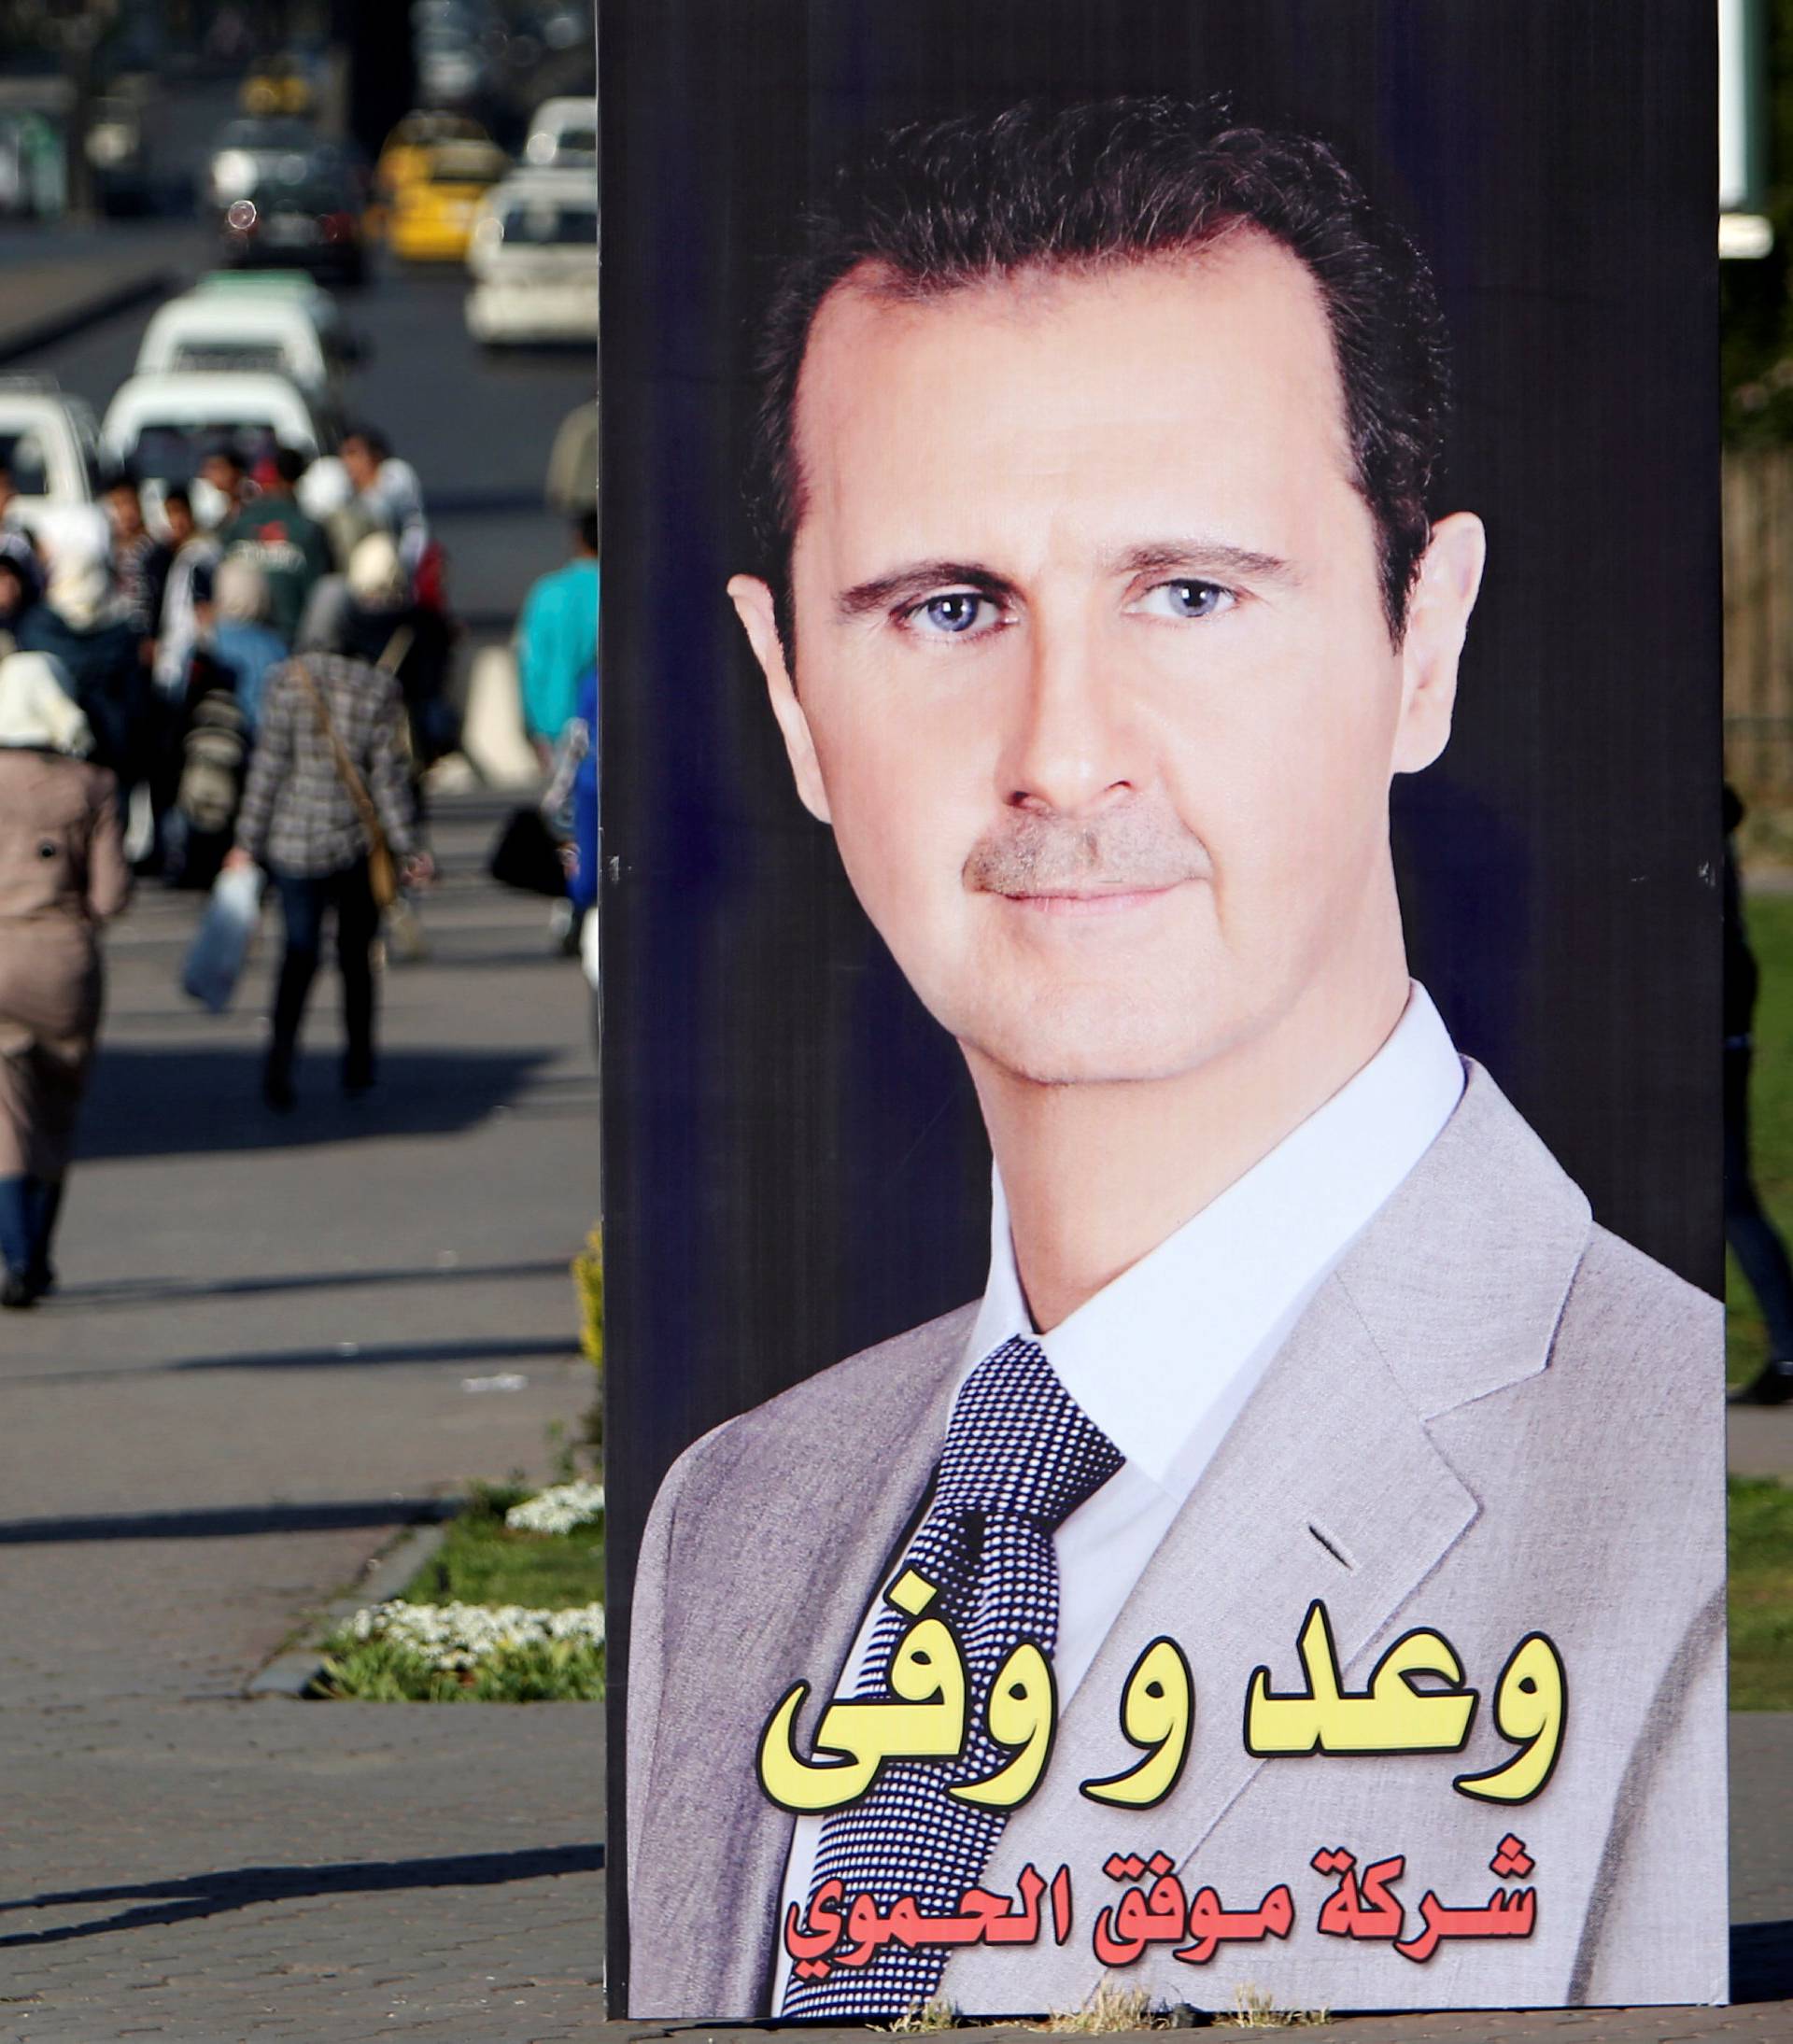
<point>176,453</point>
<point>226,353</point>
<point>23,456</point>
<point>471,165</point>
<point>550,225</point>
<point>576,142</point>
<point>267,134</point>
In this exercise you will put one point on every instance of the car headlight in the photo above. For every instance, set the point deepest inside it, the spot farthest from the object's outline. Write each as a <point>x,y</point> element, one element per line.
<point>233,173</point>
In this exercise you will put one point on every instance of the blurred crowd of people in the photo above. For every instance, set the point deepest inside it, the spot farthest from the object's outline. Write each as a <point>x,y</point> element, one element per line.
<point>258,695</point>
<point>165,638</point>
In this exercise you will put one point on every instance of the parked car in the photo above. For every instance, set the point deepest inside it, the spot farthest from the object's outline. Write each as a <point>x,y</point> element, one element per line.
<point>249,152</point>
<point>310,221</point>
<point>564,136</point>
<point>295,335</point>
<point>433,220</point>
<point>49,445</point>
<point>534,258</point>
<point>162,427</point>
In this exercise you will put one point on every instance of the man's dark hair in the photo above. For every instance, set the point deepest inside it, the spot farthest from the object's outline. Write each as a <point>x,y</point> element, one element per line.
<point>289,465</point>
<point>177,493</point>
<point>936,209</point>
<point>227,451</point>
<point>375,442</point>
<point>586,525</point>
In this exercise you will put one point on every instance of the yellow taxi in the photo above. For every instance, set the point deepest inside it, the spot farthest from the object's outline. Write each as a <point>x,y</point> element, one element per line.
<point>404,155</point>
<point>432,214</point>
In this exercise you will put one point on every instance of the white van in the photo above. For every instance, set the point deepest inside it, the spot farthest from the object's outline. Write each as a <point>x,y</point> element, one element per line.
<point>49,445</point>
<point>534,257</point>
<point>275,331</point>
<point>163,426</point>
<point>564,136</point>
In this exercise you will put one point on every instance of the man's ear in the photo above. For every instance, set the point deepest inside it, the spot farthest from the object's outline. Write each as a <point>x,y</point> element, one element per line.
<point>753,602</point>
<point>1443,594</point>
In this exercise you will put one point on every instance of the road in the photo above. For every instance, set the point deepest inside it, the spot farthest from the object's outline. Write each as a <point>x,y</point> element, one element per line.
<point>476,428</point>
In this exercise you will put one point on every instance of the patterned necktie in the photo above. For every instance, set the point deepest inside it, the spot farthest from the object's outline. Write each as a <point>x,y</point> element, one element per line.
<point>1020,1458</point>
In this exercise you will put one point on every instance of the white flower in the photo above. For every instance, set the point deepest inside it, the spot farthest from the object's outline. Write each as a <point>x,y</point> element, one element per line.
<point>454,1637</point>
<point>558,1510</point>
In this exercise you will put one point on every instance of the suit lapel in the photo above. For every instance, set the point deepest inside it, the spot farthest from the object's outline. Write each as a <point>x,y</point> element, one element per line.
<point>1327,1485</point>
<point>796,1567</point>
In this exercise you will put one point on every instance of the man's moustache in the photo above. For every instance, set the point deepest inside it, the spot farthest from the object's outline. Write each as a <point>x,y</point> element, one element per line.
<point>1124,851</point>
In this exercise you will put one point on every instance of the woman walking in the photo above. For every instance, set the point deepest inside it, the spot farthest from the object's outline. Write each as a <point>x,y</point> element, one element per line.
<point>327,809</point>
<point>63,873</point>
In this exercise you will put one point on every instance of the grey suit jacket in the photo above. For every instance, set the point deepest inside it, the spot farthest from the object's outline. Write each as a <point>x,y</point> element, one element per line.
<point>1494,1418</point>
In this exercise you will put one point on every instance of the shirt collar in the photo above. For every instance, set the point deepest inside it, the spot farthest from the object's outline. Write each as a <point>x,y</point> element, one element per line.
<point>1153,1353</point>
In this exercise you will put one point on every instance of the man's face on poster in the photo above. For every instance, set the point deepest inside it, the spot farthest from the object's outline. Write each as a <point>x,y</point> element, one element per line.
<point>1094,680</point>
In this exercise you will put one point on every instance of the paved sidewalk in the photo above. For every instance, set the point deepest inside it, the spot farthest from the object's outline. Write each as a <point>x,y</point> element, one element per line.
<point>276,1341</point>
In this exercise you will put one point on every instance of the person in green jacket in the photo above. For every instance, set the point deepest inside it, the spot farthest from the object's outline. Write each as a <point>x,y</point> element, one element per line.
<point>284,542</point>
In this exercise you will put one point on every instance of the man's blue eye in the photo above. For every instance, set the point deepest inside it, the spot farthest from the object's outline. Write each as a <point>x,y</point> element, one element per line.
<point>1194,598</point>
<point>955,613</point>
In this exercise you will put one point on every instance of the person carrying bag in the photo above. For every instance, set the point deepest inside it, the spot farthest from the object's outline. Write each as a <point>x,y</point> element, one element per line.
<point>331,812</point>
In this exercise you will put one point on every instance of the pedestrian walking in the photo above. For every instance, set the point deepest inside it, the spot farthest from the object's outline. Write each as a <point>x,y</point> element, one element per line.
<point>388,490</point>
<point>81,623</point>
<point>280,539</point>
<point>21,584</point>
<point>222,488</point>
<point>140,562</point>
<point>328,807</point>
<point>63,873</point>
<point>556,639</point>
<point>382,621</point>
<point>242,640</point>
<point>186,595</point>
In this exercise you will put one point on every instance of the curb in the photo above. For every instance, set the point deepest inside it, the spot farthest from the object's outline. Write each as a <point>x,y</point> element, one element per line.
<point>33,334</point>
<point>291,1675</point>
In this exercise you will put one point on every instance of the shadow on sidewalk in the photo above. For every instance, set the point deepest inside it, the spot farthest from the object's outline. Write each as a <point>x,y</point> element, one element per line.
<point>551,1348</point>
<point>105,1294</point>
<point>183,1899</point>
<point>149,1103</point>
<point>224,1522</point>
<point>1762,1962</point>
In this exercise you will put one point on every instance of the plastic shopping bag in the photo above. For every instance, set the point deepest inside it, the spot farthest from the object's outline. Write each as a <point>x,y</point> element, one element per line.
<point>220,946</point>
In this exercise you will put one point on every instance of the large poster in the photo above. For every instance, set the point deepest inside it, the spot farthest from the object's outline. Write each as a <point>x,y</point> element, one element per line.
<point>1160,784</point>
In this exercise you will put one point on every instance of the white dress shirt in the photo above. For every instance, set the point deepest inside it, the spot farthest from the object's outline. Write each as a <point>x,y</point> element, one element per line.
<point>1164,1357</point>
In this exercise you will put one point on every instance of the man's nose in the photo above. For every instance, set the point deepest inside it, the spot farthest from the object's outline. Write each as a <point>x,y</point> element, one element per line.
<point>1072,745</point>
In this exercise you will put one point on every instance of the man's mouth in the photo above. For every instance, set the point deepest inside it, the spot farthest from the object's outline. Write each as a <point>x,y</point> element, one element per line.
<point>1092,901</point>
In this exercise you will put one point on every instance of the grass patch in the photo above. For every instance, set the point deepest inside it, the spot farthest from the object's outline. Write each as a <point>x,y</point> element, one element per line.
<point>379,1671</point>
<point>1110,2009</point>
<point>1761,1594</point>
<point>482,1562</point>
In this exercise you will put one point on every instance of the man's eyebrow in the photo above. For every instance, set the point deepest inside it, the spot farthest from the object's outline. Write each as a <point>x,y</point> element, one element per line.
<point>915,579</point>
<point>1200,557</point>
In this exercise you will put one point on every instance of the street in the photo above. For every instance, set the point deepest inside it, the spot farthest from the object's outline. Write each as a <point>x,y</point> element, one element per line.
<point>476,428</point>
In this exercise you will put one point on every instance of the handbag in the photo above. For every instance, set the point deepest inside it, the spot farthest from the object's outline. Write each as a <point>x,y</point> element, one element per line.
<point>382,871</point>
<point>220,946</point>
<point>527,855</point>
